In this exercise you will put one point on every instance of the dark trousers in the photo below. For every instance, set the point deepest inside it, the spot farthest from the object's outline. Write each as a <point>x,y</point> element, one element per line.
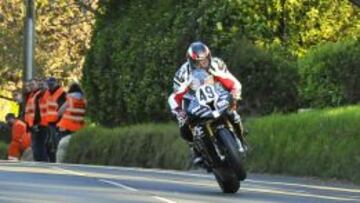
<point>39,135</point>
<point>186,133</point>
<point>52,141</point>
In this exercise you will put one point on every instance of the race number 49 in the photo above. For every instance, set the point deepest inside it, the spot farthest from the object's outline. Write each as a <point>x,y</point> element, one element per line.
<point>206,94</point>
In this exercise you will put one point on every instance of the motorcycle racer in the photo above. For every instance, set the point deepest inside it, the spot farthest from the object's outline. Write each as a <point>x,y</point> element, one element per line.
<point>199,57</point>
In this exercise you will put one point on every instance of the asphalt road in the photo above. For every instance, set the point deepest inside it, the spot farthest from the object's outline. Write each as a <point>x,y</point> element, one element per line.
<point>41,182</point>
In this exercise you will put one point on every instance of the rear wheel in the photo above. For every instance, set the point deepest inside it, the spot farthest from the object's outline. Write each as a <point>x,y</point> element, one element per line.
<point>227,180</point>
<point>232,153</point>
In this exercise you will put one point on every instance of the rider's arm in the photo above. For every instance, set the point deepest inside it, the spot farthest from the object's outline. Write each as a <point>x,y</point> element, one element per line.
<point>221,74</point>
<point>181,84</point>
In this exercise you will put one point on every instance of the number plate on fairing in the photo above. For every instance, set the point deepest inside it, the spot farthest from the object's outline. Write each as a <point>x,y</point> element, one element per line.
<point>206,94</point>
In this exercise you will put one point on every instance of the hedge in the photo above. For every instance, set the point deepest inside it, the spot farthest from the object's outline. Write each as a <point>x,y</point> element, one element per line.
<point>321,143</point>
<point>330,74</point>
<point>147,145</point>
<point>3,150</point>
<point>269,79</point>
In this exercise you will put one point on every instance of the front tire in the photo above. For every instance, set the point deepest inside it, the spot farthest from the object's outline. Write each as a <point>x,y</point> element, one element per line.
<point>232,153</point>
<point>227,180</point>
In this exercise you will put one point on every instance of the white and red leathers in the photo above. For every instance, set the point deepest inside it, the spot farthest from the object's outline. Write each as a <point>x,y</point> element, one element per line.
<point>183,80</point>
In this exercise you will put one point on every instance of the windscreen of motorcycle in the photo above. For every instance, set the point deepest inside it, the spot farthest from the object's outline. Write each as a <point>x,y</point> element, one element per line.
<point>200,77</point>
<point>203,85</point>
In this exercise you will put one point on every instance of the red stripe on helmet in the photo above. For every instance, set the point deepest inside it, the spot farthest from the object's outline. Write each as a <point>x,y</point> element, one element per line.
<point>194,55</point>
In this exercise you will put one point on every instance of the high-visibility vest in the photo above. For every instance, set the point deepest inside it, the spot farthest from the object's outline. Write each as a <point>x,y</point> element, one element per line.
<point>52,106</point>
<point>30,109</point>
<point>20,139</point>
<point>43,108</point>
<point>73,118</point>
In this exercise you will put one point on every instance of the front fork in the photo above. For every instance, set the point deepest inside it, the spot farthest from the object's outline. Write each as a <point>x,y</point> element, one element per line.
<point>238,130</point>
<point>204,140</point>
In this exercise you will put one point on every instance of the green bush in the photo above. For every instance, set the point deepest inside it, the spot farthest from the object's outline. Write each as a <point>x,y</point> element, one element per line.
<point>269,80</point>
<point>318,143</point>
<point>323,143</point>
<point>150,146</point>
<point>3,150</point>
<point>330,74</point>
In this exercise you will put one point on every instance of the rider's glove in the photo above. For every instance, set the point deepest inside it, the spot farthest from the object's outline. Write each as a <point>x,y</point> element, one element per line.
<point>236,95</point>
<point>180,116</point>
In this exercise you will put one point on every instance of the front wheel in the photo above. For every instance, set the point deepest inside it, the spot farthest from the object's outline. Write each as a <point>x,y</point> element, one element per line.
<point>227,180</point>
<point>232,153</point>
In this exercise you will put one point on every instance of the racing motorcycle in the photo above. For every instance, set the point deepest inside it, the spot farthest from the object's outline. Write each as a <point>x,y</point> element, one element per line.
<point>223,151</point>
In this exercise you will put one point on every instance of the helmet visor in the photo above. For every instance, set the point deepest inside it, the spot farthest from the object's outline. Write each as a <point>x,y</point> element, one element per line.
<point>203,63</point>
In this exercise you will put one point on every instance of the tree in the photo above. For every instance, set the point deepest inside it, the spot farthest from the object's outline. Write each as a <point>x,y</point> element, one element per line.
<point>63,31</point>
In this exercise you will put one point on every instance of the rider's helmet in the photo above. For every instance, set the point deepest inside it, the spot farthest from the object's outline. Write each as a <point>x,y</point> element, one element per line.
<point>199,55</point>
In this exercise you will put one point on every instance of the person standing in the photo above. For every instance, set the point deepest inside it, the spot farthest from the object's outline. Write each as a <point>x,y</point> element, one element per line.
<point>31,92</point>
<point>72,114</point>
<point>40,123</point>
<point>55,99</point>
<point>32,113</point>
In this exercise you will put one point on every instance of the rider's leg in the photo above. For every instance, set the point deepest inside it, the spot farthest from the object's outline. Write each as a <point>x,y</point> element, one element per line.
<point>186,134</point>
<point>237,123</point>
<point>239,128</point>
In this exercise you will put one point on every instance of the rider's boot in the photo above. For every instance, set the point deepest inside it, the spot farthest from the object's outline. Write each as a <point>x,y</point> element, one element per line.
<point>239,128</point>
<point>198,160</point>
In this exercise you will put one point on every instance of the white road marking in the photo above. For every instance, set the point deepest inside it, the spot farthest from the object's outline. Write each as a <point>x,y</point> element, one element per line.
<point>247,180</point>
<point>69,171</point>
<point>291,193</point>
<point>259,190</point>
<point>304,186</point>
<point>163,199</point>
<point>134,190</point>
<point>255,181</point>
<point>119,185</point>
<point>299,194</point>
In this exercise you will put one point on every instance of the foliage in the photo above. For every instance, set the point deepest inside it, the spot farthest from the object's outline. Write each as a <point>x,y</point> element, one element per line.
<point>63,31</point>
<point>155,146</point>
<point>3,150</point>
<point>269,79</point>
<point>296,24</point>
<point>129,68</point>
<point>330,74</point>
<point>7,106</point>
<point>321,143</point>
<point>126,77</point>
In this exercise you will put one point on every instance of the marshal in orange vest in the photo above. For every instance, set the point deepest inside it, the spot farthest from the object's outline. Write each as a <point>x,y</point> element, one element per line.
<point>43,108</point>
<point>73,117</point>
<point>30,109</point>
<point>52,106</point>
<point>20,139</point>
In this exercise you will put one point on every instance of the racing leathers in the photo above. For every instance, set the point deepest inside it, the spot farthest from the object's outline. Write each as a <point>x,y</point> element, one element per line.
<point>183,83</point>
